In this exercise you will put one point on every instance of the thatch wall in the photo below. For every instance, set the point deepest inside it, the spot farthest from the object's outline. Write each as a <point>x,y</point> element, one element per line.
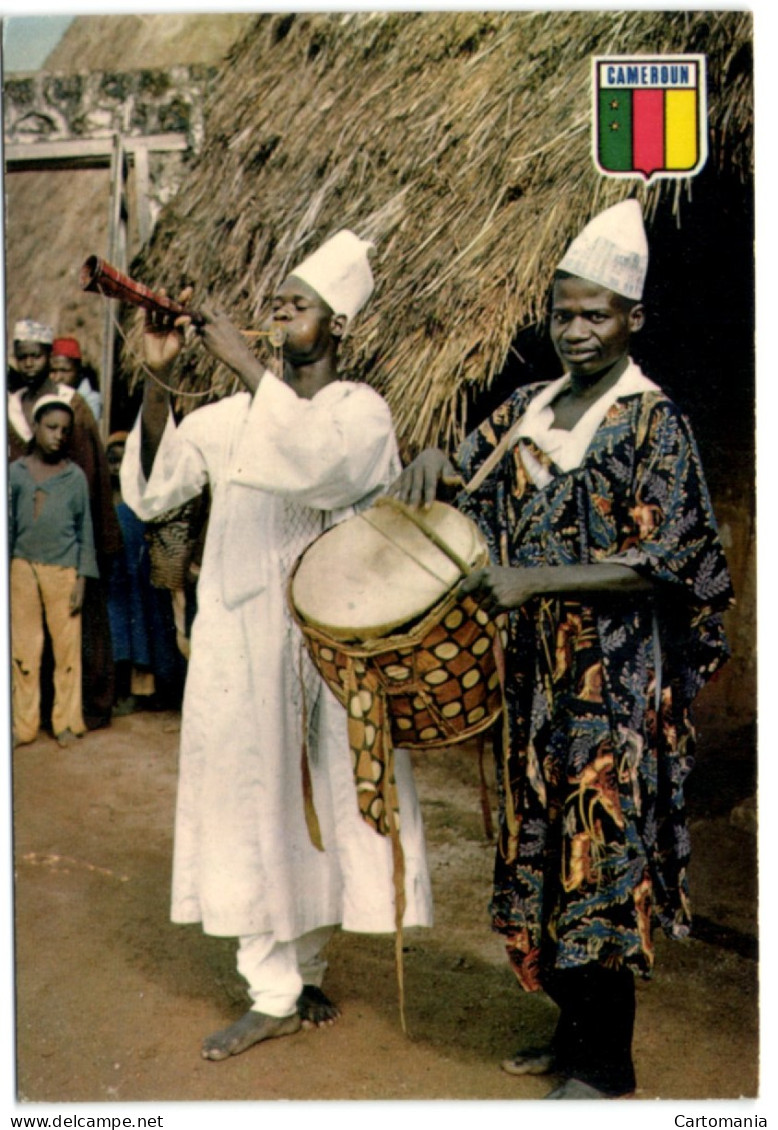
<point>459,142</point>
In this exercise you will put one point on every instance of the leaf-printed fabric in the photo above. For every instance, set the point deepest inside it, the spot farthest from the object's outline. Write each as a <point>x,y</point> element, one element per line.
<point>597,740</point>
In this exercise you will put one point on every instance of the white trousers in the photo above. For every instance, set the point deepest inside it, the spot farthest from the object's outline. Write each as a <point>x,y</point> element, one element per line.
<point>277,971</point>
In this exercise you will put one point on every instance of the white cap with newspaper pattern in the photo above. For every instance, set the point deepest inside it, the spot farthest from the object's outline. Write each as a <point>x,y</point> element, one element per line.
<point>612,250</point>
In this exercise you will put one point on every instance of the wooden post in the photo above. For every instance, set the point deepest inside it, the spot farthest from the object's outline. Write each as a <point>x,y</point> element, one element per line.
<point>93,153</point>
<point>117,253</point>
<point>142,193</point>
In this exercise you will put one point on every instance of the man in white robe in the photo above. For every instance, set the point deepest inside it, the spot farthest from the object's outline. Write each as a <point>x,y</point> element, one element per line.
<point>283,460</point>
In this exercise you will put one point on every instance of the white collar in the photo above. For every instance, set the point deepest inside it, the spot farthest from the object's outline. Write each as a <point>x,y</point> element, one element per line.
<point>567,448</point>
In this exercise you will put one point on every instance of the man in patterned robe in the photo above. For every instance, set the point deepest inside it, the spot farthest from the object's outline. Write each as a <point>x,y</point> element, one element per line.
<point>283,460</point>
<point>606,557</point>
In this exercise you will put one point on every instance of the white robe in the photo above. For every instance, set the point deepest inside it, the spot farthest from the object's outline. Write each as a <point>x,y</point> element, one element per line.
<point>280,469</point>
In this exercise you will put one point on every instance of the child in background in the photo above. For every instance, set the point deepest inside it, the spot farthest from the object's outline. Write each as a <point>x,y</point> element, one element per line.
<point>52,552</point>
<point>67,365</point>
<point>149,667</point>
<point>32,346</point>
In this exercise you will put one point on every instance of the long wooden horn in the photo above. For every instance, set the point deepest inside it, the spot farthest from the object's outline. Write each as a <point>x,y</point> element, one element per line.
<point>101,277</point>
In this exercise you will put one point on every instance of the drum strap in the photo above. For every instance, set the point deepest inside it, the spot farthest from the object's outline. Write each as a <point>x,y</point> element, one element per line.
<point>483,789</point>
<point>389,821</point>
<point>510,849</point>
<point>398,869</point>
<point>494,458</point>
<point>311,819</point>
<point>370,739</point>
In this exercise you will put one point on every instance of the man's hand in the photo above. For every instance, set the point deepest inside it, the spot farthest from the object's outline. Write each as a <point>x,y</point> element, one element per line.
<point>77,596</point>
<point>227,344</point>
<point>499,588</point>
<point>430,474</point>
<point>222,340</point>
<point>163,335</point>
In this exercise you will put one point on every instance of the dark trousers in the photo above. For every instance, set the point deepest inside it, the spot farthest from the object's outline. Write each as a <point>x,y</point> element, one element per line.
<point>593,1038</point>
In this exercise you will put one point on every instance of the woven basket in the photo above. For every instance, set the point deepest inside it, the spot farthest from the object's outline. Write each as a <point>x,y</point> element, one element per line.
<point>172,537</point>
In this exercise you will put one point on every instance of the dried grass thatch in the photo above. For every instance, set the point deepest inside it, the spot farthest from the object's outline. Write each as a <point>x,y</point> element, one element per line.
<point>459,142</point>
<point>132,41</point>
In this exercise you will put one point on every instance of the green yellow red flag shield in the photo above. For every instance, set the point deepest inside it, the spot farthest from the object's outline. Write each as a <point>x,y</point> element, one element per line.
<point>649,115</point>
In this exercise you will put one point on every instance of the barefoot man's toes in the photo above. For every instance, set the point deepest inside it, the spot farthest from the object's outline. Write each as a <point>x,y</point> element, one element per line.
<point>315,1008</point>
<point>250,1029</point>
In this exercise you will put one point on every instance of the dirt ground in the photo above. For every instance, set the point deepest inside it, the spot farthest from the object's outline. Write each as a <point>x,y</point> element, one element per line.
<point>112,999</point>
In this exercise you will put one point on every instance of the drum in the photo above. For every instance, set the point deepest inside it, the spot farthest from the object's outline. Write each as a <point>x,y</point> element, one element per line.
<point>415,664</point>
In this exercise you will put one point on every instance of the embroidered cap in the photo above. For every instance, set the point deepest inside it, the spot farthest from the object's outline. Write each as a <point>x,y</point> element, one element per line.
<point>30,330</point>
<point>612,250</point>
<point>66,347</point>
<point>51,400</point>
<point>339,271</point>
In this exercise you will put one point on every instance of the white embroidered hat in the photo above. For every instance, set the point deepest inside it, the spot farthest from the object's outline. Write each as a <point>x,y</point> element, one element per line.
<point>340,272</point>
<point>612,250</point>
<point>29,330</point>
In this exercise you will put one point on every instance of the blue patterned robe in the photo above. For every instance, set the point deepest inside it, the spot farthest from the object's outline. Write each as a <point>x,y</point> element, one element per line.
<point>597,739</point>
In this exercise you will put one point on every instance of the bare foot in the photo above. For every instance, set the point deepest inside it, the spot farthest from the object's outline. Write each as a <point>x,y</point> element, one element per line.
<point>315,1008</point>
<point>250,1029</point>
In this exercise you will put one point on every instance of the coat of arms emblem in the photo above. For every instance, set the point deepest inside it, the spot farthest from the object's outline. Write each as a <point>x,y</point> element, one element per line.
<point>650,115</point>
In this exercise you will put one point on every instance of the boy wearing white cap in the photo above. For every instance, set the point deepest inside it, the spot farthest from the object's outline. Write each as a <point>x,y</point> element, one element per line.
<point>607,560</point>
<point>52,553</point>
<point>284,460</point>
<point>32,345</point>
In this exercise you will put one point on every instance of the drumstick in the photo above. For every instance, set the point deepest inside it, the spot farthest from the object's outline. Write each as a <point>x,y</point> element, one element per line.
<point>414,516</point>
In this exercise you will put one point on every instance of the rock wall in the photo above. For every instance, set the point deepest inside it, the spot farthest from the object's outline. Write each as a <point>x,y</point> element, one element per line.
<point>54,107</point>
<point>82,107</point>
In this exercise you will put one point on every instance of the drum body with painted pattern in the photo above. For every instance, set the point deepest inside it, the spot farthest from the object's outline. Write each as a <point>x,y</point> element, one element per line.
<point>377,600</point>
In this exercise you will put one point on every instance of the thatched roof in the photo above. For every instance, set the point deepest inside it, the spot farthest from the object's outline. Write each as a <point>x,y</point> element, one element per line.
<point>459,142</point>
<point>133,40</point>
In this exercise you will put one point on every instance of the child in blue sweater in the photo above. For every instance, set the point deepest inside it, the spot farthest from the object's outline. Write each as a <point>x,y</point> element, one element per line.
<point>52,552</point>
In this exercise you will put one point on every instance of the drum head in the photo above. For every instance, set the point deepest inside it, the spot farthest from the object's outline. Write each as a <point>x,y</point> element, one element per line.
<point>377,570</point>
